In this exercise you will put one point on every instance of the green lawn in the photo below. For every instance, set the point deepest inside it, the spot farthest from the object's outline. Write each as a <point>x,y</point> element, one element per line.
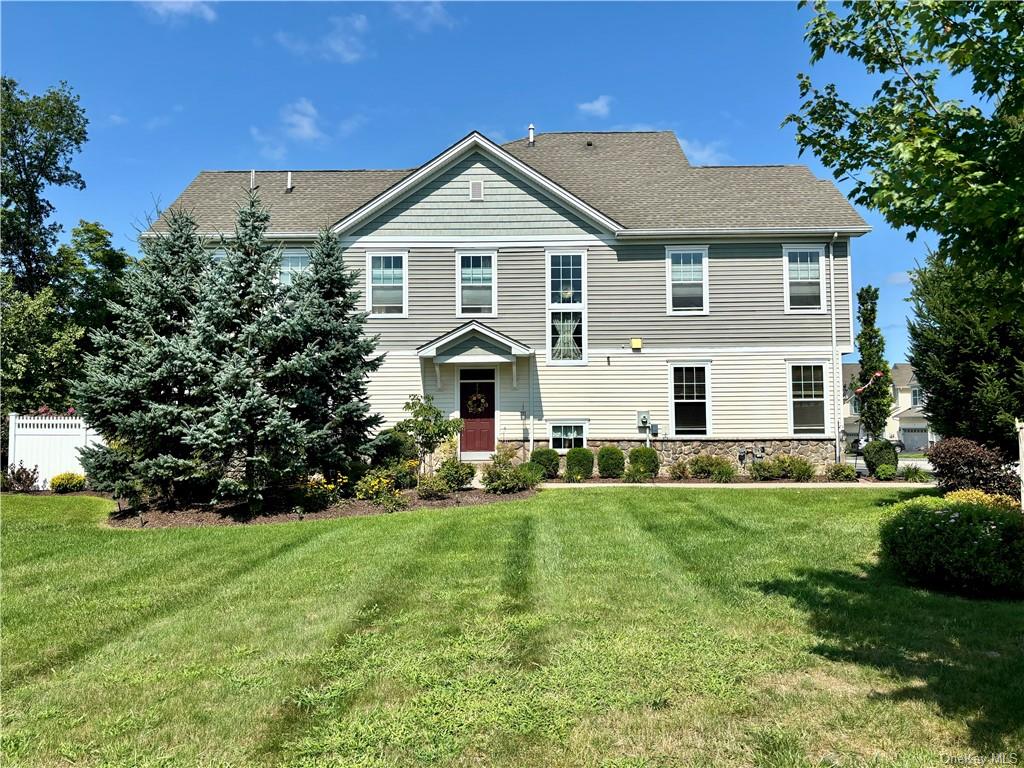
<point>615,627</point>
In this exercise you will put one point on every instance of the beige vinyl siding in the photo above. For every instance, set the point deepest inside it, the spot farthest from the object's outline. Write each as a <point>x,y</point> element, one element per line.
<point>442,207</point>
<point>749,392</point>
<point>626,297</point>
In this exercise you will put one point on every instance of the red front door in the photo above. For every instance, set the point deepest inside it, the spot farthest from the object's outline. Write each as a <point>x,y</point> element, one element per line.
<point>476,407</point>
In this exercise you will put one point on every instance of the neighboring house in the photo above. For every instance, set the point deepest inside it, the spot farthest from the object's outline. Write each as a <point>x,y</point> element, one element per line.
<point>906,422</point>
<point>587,288</point>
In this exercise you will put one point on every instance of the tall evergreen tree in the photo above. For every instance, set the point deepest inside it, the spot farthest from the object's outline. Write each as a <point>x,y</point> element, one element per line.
<point>141,388</point>
<point>876,395</point>
<point>968,355</point>
<point>325,359</point>
<point>247,435</point>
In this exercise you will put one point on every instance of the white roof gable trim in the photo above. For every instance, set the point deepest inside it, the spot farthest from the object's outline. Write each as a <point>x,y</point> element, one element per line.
<point>515,349</point>
<point>473,142</point>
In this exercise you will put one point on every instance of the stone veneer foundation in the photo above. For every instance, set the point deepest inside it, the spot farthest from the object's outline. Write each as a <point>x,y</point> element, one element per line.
<point>819,451</point>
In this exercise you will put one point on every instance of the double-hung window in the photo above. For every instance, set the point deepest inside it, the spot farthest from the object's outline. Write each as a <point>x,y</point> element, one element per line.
<point>566,307</point>
<point>690,400</point>
<point>476,292</point>
<point>388,294</point>
<point>916,398</point>
<point>807,398</point>
<point>567,434</point>
<point>687,273</point>
<point>293,261</point>
<point>805,278</point>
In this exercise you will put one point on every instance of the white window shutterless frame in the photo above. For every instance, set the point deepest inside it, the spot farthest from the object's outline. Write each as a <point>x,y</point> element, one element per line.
<point>476,284</point>
<point>687,285</point>
<point>804,279</point>
<point>566,289</point>
<point>387,283</point>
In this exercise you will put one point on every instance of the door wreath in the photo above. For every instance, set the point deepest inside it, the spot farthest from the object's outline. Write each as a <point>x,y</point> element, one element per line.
<point>476,404</point>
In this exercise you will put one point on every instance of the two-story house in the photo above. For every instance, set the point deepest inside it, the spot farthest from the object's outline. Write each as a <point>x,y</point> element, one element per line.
<point>577,289</point>
<point>907,421</point>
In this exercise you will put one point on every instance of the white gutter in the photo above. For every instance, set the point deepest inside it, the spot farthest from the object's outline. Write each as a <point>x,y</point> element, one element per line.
<point>837,397</point>
<point>627,234</point>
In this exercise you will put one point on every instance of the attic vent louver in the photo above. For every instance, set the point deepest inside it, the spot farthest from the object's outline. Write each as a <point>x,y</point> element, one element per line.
<point>476,190</point>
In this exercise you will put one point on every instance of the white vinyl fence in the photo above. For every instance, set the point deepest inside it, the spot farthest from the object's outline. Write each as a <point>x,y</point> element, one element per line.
<point>48,442</point>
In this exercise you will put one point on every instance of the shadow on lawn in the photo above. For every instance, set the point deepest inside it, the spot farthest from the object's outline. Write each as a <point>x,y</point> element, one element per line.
<point>964,657</point>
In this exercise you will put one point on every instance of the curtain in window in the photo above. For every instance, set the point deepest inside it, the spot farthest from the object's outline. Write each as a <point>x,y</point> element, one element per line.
<point>566,336</point>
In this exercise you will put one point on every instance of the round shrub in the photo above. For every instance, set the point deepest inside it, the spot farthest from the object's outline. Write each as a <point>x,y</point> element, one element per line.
<point>841,473</point>
<point>797,468</point>
<point>646,460</point>
<point>67,482</point>
<point>707,467</point>
<point>879,452</point>
<point>394,445</point>
<point>611,461</point>
<point>998,500</point>
<point>679,470</point>
<point>455,474</point>
<point>579,464</point>
<point>766,469</point>
<point>547,459</point>
<point>885,472</point>
<point>961,463</point>
<point>431,487</point>
<point>951,545</point>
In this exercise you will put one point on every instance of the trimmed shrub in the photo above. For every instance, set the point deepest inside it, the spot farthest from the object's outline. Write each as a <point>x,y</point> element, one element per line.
<point>679,470</point>
<point>841,473</point>
<point>455,474</point>
<point>913,474</point>
<point>797,468</point>
<point>579,464</point>
<point>885,472</point>
<point>67,482</point>
<point>879,452</point>
<point>961,463</point>
<point>766,469</point>
<point>394,445</point>
<point>707,467</point>
<point>997,500</point>
<point>21,479</point>
<point>636,474</point>
<point>646,459</point>
<point>611,461</point>
<point>548,460</point>
<point>431,487</point>
<point>951,545</point>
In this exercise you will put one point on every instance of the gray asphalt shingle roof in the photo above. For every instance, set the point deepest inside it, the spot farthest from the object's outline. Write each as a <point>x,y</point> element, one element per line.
<point>640,179</point>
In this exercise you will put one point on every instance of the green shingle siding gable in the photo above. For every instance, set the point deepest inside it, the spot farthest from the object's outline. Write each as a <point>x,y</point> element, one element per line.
<point>442,207</point>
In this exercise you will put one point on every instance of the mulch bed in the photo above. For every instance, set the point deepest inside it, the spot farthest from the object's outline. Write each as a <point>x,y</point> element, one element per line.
<point>235,514</point>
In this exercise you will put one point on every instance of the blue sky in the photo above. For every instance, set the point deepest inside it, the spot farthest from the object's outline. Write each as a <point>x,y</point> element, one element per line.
<point>174,88</point>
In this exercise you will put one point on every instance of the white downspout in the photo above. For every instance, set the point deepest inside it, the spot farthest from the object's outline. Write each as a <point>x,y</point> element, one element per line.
<point>837,397</point>
<point>529,380</point>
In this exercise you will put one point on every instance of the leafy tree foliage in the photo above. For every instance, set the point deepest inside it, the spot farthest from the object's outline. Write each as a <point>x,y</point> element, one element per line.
<point>325,359</point>
<point>141,388</point>
<point>38,350</point>
<point>922,161</point>
<point>968,355</point>
<point>875,392</point>
<point>40,135</point>
<point>427,425</point>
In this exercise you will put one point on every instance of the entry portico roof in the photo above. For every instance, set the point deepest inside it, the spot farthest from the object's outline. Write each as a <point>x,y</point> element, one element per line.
<point>497,346</point>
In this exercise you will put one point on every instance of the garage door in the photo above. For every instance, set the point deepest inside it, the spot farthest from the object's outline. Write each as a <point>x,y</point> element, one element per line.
<point>915,439</point>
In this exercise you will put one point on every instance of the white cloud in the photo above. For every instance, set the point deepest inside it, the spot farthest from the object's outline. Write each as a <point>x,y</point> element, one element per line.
<point>172,11</point>
<point>705,152</point>
<point>424,16</point>
<point>117,119</point>
<point>599,107</point>
<point>300,120</point>
<point>344,41</point>
<point>157,122</point>
<point>898,278</point>
<point>269,147</point>
<point>351,124</point>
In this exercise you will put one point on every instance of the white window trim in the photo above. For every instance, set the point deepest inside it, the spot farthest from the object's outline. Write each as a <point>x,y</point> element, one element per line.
<point>672,365</point>
<point>703,250</point>
<point>458,282</point>
<point>822,267</point>
<point>283,252</point>
<point>828,405</point>
<point>405,284</point>
<point>457,413</point>
<point>483,189</point>
<point>920,397</point>
<point>552,307</point>
<point>552,423</point>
